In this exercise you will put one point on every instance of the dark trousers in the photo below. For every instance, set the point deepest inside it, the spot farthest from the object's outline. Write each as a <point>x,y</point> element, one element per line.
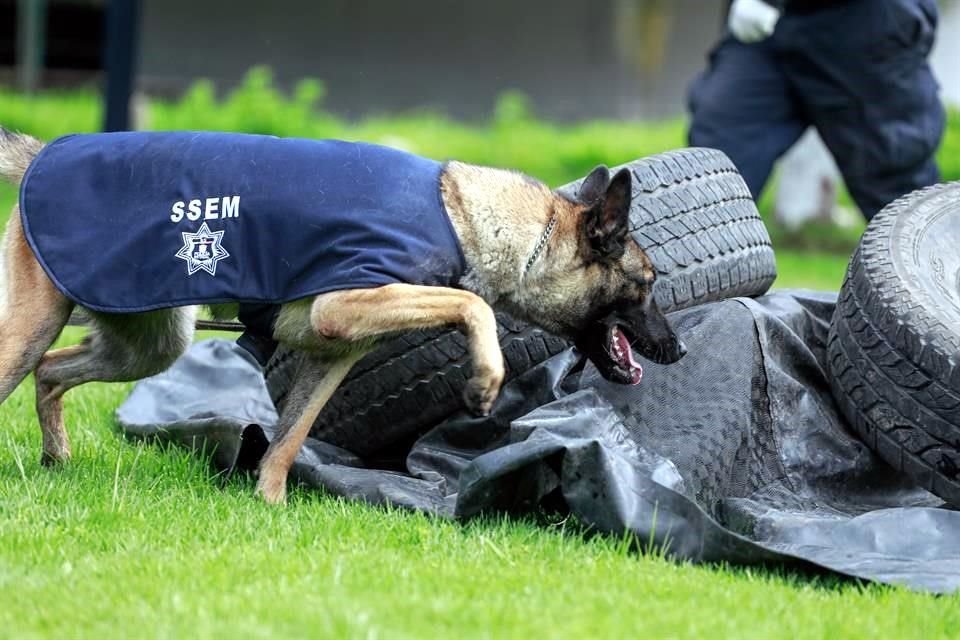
<point>858,72</point>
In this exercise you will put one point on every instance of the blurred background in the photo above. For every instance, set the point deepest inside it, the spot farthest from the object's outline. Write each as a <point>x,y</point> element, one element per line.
<point>548,87</point>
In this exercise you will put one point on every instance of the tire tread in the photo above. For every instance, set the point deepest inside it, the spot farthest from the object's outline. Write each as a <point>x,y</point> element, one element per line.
<point>892,358</point>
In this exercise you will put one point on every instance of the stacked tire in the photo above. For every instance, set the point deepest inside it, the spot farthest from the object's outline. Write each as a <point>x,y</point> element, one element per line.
<point>691,212</point>
<point>894,342</point>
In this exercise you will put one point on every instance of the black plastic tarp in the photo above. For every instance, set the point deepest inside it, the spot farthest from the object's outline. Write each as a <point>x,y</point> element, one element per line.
<point>736,453</point>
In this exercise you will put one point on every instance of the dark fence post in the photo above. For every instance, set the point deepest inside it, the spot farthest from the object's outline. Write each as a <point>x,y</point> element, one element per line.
<point>31,31</point>
<point>120,61</point>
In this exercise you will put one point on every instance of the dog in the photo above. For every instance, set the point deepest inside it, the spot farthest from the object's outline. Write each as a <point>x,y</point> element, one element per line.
<point>401,243</point>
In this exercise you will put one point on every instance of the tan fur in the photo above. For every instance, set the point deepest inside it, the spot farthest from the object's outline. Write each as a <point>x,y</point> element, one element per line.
<point>16,153</point>
<point>49,406</point>
<point>498,216</point>
<point>343,325</point>
<point>361,314</point>
<point>272,483</point>
<point>34,311</point>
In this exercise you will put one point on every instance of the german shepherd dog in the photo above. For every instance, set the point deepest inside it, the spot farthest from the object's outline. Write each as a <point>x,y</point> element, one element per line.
<point>567,264</point>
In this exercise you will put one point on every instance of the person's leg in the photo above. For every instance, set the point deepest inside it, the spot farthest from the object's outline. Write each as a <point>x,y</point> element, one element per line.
<point>862,74</point>
<point>742,105</point>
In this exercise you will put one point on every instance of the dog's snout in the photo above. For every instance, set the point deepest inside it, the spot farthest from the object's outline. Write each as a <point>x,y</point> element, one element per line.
<point>681,348</point>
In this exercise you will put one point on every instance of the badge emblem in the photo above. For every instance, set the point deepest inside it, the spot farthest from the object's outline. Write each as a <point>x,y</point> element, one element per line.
<point>202,250</point>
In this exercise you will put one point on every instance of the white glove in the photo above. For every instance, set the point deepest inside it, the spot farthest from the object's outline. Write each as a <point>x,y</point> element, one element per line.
<point>752,20</point>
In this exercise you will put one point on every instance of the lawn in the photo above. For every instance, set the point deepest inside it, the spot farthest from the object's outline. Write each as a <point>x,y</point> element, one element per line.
<point>138,540</point>
<point>135,540</point>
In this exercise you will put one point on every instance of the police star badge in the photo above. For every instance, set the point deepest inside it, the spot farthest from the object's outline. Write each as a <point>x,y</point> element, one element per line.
<point>202,250</point>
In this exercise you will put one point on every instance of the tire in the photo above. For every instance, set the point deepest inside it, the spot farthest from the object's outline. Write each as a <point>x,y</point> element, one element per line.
<point>894,342</point>
<point>692,213</point>
<point>694,216</point>
<point>408,384</point>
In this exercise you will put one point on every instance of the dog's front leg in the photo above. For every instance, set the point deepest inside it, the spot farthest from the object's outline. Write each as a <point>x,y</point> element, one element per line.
<point>359,314</point>
<point>314,383</point>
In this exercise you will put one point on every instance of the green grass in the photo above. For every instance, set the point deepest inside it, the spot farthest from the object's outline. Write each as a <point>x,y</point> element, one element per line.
<point>137,540</point>
<point>810,270</point>
<point>134,539</point>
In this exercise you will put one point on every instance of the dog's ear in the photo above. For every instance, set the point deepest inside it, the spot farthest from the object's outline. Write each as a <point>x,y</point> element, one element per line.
<point>594,185</point>
<point>607,222</point>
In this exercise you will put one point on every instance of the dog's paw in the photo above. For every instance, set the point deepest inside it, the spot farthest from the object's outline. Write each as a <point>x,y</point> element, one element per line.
<point>54,459</point>
<point>272,490</point>
<point>482,392</point>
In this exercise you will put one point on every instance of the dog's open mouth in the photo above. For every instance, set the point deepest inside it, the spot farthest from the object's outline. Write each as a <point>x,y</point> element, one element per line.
<point>621,353</point>
<point>615,342</point>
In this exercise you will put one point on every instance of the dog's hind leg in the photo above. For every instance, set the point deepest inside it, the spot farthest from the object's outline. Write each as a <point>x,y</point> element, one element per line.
<point>314,383</point>
<point>32,310</point>
<point>118,348</point>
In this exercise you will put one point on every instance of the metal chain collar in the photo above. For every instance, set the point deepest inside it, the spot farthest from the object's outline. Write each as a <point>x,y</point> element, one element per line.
<point>541,243</point>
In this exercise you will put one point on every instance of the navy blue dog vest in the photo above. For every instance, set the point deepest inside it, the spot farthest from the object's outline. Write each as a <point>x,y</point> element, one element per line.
<point>130,222</point>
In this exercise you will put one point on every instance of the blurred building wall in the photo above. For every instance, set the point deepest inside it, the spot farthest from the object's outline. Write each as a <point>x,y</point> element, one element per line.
<point>574,58</point>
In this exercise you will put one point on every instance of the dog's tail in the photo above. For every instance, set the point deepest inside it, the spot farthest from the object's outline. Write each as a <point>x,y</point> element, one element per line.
<point>17,151</point>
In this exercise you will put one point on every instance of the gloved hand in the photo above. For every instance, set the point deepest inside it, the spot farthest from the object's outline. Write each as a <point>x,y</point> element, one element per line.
<point>752,20</point>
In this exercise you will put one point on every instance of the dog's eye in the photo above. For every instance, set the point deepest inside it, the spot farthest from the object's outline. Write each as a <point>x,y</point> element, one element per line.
<point>649,276</point>
<point>647,280</point>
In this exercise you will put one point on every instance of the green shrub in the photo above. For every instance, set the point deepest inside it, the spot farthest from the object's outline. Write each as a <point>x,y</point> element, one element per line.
<point>949,154</point>
<point>513,137</point>
<point>50,114</point>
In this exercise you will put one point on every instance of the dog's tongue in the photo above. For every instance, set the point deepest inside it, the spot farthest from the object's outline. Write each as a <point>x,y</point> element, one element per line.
<point>624,355</point>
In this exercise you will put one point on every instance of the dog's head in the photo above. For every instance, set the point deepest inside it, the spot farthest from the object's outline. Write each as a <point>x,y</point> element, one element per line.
<point>596,284</point>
